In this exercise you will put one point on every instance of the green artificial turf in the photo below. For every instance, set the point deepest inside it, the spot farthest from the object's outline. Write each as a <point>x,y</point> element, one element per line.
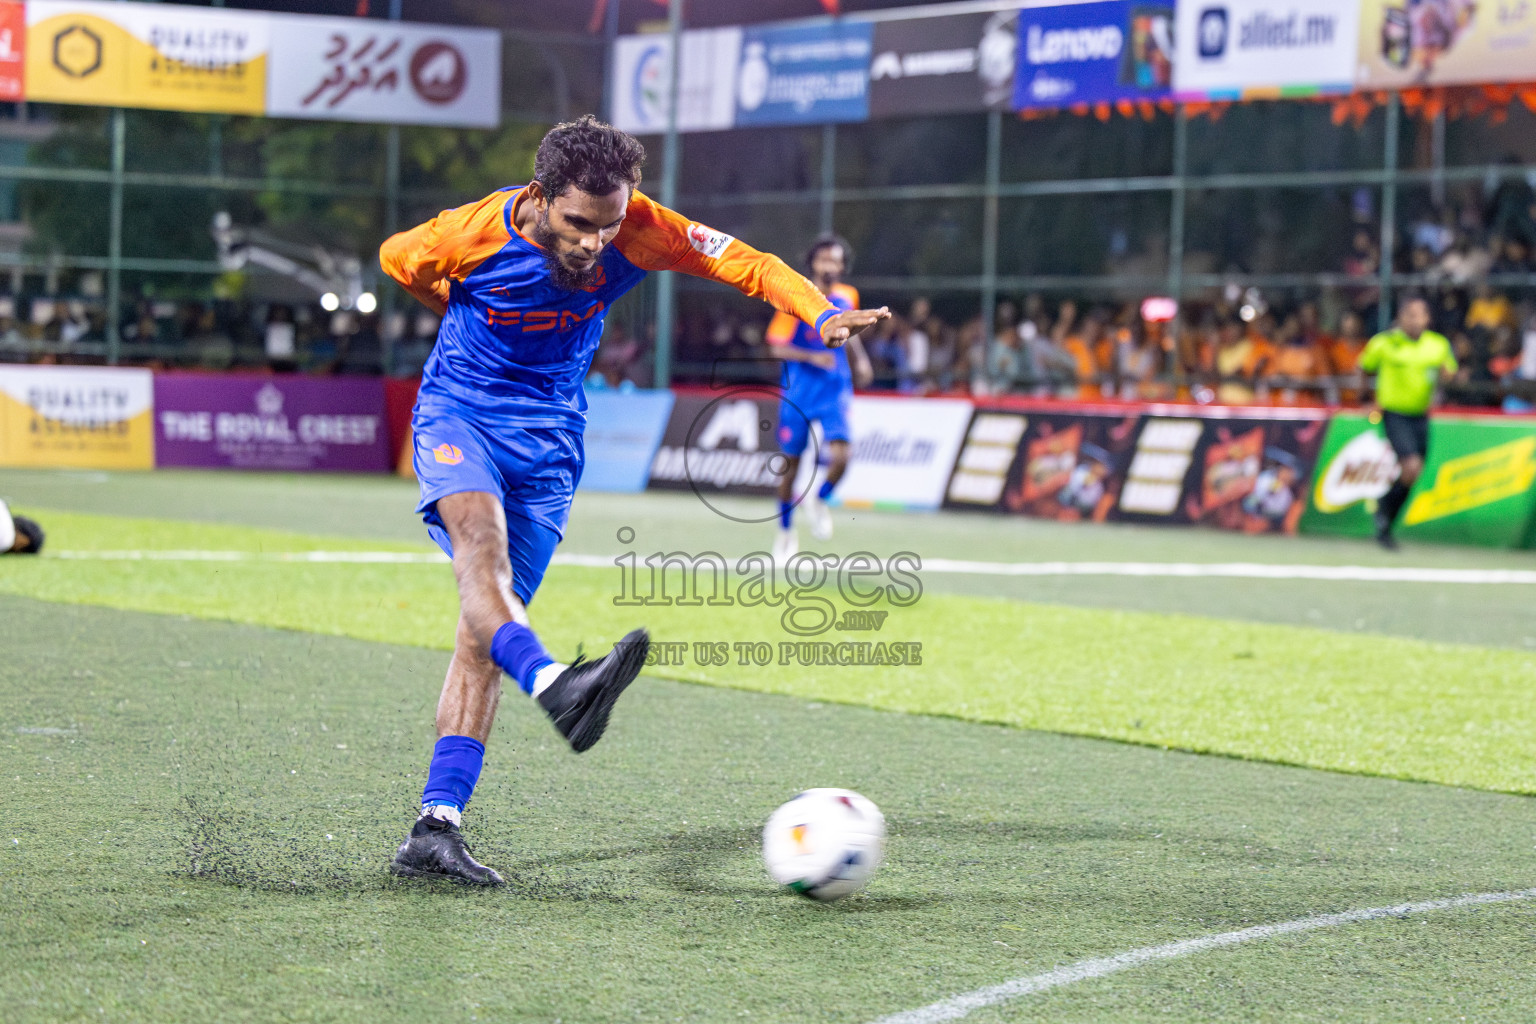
<point>196,818</point>
<point>1389,706</point>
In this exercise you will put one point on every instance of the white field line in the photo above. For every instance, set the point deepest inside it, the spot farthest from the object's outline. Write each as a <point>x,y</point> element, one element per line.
<point>1144,570</point>
<point>962,1005</point>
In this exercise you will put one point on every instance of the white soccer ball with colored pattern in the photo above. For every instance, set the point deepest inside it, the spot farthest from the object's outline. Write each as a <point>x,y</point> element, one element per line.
<point>825,843</point>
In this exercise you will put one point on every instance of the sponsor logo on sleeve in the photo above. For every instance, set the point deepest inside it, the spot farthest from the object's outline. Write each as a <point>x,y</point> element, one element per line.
<point>708,241</point>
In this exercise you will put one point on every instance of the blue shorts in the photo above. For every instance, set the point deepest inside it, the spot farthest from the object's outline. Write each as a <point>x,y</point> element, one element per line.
<point>534,470</point>
<point>796,415</point>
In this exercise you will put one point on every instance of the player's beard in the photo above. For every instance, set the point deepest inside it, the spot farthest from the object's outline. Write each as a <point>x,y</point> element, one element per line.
<point>563,276</point>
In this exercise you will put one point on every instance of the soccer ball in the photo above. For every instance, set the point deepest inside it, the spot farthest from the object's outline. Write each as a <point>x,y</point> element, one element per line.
<point>825,843</point>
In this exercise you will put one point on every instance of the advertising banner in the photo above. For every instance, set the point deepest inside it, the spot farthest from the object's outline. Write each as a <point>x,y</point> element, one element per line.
<point>943,65</point>
<point>1190,468</point>
<point>362,69</point>
<point>276,423</point>
<point>1258,48</point>
<point>13,50</point>
<point>801,74</point>
<point>624,430</point>
<point>1054,464</point>
<point>1408,43</point>
<point>1095,53</point>
<point>706,85</point>
<point>1478,484</point>
<point>162,56</point>
<point>1232,472</point>
<point>721,443</point>
<point>902,451</point>
<point>76,417</point>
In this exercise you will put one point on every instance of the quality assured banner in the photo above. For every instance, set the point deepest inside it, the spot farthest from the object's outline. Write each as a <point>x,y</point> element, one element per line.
<point>183,57</point>
<point>804,74</point>
<point>706,98</point>
<point>76,417</point>
<point>161,56</point>
<point>1408,43</point>
<point>1478,484</point>
<point>1094,53</point>
<point>275,423</point>
<point>943,65</point>
<point>1264,48</point>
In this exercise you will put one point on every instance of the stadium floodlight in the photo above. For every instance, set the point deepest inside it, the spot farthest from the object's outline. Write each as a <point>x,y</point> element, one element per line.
<point>367,303</point>
<point>330,302</point>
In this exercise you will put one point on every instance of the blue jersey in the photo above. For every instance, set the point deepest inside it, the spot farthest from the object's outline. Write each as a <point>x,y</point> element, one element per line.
<point>513,348</point>
<point>804,383</point>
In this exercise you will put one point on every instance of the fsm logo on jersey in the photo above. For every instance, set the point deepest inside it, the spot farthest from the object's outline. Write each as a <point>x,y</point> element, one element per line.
<point>1094,53</point>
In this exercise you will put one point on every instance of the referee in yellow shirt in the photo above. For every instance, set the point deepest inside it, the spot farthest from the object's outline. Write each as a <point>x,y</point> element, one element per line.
<point>1409,361</point>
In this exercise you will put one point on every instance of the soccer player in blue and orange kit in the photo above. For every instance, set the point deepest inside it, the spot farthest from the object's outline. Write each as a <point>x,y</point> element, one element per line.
<point>522,280</point>
<point>817,385</point>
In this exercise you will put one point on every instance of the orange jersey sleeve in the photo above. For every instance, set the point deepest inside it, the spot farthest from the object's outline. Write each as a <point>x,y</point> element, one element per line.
<point>781,329</point>
<point>656,238</point>
<point>448,247</point>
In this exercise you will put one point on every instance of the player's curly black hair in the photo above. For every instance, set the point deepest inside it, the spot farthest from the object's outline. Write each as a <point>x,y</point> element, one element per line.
<point>827,241</point>
<point>587,155</point>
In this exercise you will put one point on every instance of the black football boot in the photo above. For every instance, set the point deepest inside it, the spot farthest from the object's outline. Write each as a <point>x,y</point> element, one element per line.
<point>578,701</point>
<point>436,849</point>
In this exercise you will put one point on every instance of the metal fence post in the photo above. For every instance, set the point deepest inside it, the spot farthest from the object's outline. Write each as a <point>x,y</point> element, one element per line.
<point>989,234</point>
<point>389,301</point>
<point>115,237</point>
<point>1176,213</point>
<point>828,177</point>
<point>666,286</point>
<point>1389,212</point>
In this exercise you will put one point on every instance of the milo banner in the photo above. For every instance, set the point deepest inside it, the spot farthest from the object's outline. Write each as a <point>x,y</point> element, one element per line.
<point>279,423</point>
<point>1188,467</point>
<point>76,417</point>
<point>1478,485</point>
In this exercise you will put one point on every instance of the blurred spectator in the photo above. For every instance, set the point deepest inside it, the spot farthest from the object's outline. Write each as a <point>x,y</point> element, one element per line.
<point>1512,207</point>
<point>1241,357</point>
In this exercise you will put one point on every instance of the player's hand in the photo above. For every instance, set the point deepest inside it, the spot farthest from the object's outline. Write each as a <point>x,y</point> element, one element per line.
<point>822,360</point>
<point>838,329</point>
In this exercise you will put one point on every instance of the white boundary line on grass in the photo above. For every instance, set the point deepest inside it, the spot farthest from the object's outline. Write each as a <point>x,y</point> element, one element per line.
<point>1143,570</point>
<point>962,1005</point>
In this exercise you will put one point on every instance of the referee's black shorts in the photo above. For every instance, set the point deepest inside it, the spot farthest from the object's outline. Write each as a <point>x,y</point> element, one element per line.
<point>1408,435</point>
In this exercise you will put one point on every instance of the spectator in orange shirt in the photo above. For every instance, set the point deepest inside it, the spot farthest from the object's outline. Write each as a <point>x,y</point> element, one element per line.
<point>1241,359</point>
<point>1344,358</point>
<point>1298,362</point>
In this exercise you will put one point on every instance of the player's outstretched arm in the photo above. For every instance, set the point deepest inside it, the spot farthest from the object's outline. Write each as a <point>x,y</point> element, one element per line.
<point>424,259</point>
<point>656,238</point>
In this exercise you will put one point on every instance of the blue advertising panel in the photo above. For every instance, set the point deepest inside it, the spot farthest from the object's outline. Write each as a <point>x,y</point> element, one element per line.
<point>804,74</point>
<point>1094,53</point>
<point>624,429</point>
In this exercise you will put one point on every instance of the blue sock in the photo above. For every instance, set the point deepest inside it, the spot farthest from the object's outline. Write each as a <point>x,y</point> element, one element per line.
<point>519,653</point>
<point>827,487</point>
<point>456,762</point>
<point>786,513</point>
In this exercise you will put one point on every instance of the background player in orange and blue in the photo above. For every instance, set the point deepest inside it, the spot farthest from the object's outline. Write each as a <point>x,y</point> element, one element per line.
<point>523,279</point>
<point>817,382</point>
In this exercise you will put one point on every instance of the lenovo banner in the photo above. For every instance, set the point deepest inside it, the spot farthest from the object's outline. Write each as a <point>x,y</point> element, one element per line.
<point>1094,53</point>
<point>1256,48</point>
<point>278,423</point>
<point>1478,484</point>
<point>943,65</point>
